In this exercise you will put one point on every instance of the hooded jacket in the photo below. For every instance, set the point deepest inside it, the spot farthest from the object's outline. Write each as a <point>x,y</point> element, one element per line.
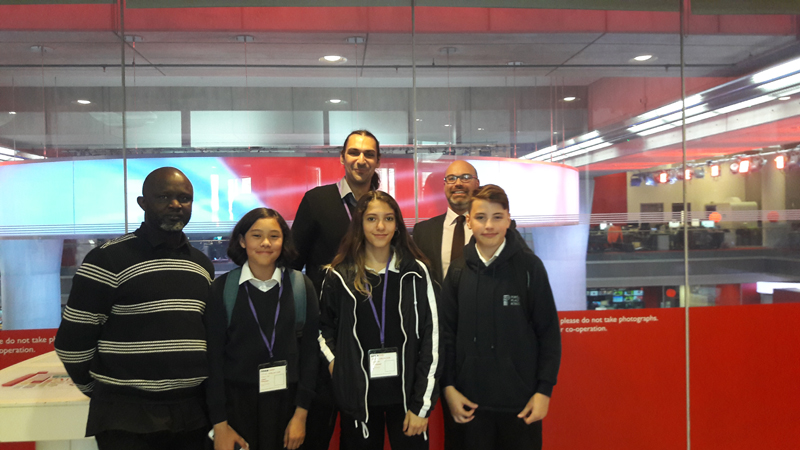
<point>502,342</point>
<point>419,352</point>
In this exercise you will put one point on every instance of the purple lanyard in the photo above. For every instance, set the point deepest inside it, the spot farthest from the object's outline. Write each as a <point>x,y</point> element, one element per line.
<point>382,322</point>
<point>271,343</point>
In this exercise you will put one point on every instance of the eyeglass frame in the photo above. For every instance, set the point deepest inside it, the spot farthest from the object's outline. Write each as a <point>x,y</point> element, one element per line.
<point>461,177</point>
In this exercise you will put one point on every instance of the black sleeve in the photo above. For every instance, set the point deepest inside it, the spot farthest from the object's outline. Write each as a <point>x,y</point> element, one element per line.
<point>448,317</point>
<point>216,319</point>
<point>89,304</point>
<point>309,349</point>
<point>429,363</point>
<point>329,315</point>
<point>546,326</point>
<point>304,233</point>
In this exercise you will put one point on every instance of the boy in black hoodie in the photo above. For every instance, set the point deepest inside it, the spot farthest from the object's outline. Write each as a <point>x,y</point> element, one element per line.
<point>502,342</point>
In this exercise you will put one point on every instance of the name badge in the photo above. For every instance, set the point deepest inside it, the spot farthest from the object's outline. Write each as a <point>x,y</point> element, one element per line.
<point>383,363</point>
<point>272,377</point>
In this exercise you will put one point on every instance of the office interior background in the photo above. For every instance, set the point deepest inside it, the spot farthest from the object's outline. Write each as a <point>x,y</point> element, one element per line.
<point>675,127</point>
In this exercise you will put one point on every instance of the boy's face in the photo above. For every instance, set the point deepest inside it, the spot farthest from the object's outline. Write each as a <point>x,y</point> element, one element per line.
<point>488,222</point>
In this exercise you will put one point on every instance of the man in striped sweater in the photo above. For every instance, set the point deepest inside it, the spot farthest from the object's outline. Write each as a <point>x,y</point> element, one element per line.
<point>133,333</point>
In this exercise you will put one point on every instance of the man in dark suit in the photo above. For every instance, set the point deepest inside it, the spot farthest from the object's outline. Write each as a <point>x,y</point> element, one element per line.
<point>443,237</point>
<point>321,221</point>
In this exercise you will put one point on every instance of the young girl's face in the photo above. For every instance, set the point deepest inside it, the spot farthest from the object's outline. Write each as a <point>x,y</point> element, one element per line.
<point>379,224</point>
<point>263,242</point>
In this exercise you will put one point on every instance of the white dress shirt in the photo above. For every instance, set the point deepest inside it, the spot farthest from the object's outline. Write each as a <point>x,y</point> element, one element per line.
<point>263,286</point>
<point>447,237</point>
<point>496,254</point>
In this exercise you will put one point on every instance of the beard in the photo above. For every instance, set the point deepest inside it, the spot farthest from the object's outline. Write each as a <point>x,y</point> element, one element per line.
<point>172,226</point>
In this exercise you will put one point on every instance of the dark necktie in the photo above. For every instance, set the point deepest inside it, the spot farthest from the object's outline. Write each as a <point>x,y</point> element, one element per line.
<point>457,250</point>
<point>350,202</point>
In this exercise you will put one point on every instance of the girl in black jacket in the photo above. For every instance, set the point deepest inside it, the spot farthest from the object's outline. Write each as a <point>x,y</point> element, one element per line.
<point>380,327</point>
<point>262,340</point>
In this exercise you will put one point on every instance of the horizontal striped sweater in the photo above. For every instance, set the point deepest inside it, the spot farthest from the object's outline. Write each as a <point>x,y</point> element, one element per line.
<point>135,319</point>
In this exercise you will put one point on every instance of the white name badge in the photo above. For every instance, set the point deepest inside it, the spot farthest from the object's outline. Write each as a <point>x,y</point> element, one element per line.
<point>383,363</point>
<point>272,377</point>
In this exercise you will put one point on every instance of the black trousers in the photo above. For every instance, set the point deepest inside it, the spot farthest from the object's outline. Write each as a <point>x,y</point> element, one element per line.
<point>261,419</point>
<point>389,418</point>
<point>501,430</point>
<point>453,432</point>
<point>161,440</point>
<point>321,419</point>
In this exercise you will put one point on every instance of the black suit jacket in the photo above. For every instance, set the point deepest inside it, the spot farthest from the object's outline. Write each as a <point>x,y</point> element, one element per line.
<point>428,237</point>
<point>319,225</point>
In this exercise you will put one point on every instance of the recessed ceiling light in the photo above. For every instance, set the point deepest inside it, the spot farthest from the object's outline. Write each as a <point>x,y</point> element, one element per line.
<point>643,58</point>
<point>515,63</point>
<point>784,98</point>
<point>419,120</point>
<point>333,59</point>
<point>12,112</point>
<point>480,129</point>
<point>555,132</point>
<point>570,99</point>
<point>335,100</point>
<point>83,102</point>
<point>447,124</point>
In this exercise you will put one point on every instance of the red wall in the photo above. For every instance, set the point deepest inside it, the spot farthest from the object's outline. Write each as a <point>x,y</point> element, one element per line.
<point>610,194</point>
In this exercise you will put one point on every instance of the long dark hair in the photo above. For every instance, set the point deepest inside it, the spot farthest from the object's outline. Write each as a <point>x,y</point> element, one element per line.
<point>376,179</point>
<point>349,259</point>
<point>239,255</point>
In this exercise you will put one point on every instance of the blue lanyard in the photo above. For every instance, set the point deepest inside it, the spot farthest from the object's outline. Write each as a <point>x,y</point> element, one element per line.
<point>271,343</point>
<point>382,322</point>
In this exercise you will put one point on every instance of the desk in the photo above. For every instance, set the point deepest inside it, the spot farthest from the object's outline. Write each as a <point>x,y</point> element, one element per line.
<point>53,413</point>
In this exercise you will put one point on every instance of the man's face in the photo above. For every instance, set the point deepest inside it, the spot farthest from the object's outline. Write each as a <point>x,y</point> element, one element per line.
<point>488,222</point>
<point>459,192</point>
<point>167,201</point>
<point>360,159</point>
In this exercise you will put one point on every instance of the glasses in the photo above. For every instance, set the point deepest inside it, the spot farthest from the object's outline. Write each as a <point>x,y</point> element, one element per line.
<point>451,179</point>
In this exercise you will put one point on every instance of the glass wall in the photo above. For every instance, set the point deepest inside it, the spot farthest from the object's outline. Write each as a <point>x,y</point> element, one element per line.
<point>651,155</point>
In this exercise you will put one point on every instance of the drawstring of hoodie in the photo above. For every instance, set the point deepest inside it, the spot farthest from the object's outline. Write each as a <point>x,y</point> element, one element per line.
<point>364,429</point>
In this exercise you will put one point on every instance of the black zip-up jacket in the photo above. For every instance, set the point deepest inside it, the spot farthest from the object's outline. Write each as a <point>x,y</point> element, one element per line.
<point>502,342</point>
<point>419,352</point>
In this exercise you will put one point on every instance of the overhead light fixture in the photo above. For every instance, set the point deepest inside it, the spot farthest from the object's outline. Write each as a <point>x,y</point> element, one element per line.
<point>744,166</point>
<point>419,120</point>
<point>641,58</point>
<point>83,102</point>
<point>12,112</point>
<point>515,63</point>
<point>333,59</point>
<point>699,172</point>
<point>570,99</point>
<point>663,177</point>
<point>783,99</point>
<point>687,174</point>
<point>715,170</point>
<point>777,71</point>
<point>335,100</point>
<point>746,104</point>
<point>780,162</point>
<point>15,155</point>
<point>447,124</point>
<point>480,129</point>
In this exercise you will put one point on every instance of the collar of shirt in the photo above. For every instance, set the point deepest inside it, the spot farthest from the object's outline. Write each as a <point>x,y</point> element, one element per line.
<point>156,237</point>
<point>451,217</point>
<point>496,254</point>
<point>392,265</point>
<point>262,286</point>
<point>344,188</point>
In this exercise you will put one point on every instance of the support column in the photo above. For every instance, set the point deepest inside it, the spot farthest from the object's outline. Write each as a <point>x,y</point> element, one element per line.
<point>773,198</point>
<point>563,251</point>
<point>30,275</point>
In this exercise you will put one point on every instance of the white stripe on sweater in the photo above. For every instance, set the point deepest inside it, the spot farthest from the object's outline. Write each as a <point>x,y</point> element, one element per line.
<point>172,304</point>
<point>141,347</point>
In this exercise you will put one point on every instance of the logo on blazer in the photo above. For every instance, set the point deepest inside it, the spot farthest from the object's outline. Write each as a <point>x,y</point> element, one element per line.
<point>511,300</point>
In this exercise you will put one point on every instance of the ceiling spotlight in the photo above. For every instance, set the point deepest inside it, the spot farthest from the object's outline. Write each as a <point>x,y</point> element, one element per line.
<point>699,172</point>
<point>780,162</point>
<point>335,100</point>
<point>480,129</point>
<point>744,166</point>
<point>83,102</point>
<point>715,170</point>
<point>734,167</point>
<point>784,98</point>
<point>447,124</point>
<point>687,174</point>
<point>570,99</point>
<point>333,59</point>
<point>641,58</point>
<point>648,179</point>
<point>419,120</point>
<point>12,112</point>
<point>663,177</point>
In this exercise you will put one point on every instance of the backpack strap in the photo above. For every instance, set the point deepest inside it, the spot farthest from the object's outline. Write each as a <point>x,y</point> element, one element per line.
<point>231,290</point>
<point>298,282</point>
